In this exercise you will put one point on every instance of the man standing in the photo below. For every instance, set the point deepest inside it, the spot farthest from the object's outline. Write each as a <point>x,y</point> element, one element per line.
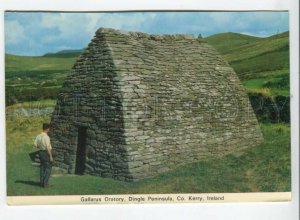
<point>42,142</point>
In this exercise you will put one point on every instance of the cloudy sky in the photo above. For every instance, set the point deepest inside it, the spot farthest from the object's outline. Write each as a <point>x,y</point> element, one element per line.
<point>37,33</point>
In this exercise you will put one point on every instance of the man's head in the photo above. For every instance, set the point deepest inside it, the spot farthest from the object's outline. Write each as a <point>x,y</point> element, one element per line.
<point>46,127</point>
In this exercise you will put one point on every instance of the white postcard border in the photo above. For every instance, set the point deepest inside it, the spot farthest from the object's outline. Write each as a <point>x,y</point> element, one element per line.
<point>257,210</point>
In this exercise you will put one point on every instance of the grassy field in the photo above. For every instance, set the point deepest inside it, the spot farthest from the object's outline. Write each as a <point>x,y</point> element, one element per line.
<point>253,54</point>
<point>28,63</point>
<point>265,168</point>
<point>35,78</point>
<point>225,42</point>
<point>275,83</point>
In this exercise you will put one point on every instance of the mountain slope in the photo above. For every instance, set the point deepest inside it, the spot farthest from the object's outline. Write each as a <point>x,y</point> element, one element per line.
<point>250,56</point>
<point>225,42</point>
<point>32,63</point>
<point>65,53</point>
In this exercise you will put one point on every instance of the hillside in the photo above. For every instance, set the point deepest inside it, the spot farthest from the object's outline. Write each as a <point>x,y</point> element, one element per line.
<point>261,63</point>
<point>225,42</point>
<point>15,63</point>
<point>250,56</point>
<point>34,78</point>
<point>65,53</point>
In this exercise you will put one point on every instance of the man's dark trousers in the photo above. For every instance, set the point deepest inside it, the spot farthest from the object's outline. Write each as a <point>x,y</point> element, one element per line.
<point>45,167</point>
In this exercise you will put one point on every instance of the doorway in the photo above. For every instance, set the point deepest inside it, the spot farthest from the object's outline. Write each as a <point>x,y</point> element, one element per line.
<point>81,151</point>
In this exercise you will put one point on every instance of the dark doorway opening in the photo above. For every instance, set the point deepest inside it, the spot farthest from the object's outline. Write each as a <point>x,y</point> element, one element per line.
<point>81,149</point>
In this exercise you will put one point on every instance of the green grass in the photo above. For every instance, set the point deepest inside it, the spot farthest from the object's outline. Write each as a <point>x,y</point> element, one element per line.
<point>35,78</point>
<point>34,104</point>
<point>226,42</point>
<point>257,48</point>
<point>265,168</point>
<point>253,57</point>
<point>265,62</point>
<point>27,63</point>
<point>273,84</point>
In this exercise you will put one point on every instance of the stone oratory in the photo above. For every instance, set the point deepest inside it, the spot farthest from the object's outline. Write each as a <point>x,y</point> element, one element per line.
<point>136,105</point>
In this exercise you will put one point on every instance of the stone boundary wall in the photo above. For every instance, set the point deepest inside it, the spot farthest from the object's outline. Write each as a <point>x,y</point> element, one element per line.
<point>270,109</point>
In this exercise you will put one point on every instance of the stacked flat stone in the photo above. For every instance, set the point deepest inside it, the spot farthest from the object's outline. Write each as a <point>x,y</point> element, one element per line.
<point>150,103</point>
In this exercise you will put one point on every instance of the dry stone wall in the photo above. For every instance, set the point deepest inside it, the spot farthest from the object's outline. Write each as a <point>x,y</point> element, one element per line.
<point>150,103</point>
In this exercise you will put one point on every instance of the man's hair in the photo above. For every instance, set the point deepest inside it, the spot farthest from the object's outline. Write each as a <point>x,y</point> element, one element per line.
<point>46,126</point>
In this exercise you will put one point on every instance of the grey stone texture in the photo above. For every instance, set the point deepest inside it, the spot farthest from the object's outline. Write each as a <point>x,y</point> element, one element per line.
<point>150,103</point>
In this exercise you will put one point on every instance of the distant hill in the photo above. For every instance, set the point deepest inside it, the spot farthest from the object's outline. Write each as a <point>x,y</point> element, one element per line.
<point>280,35</point>
<point>15,63</point>
<point>65,53</point>
<point>250,55</point>
<point>225,42</point>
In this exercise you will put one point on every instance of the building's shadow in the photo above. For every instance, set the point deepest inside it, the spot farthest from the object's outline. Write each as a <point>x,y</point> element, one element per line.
<point>28,182</point>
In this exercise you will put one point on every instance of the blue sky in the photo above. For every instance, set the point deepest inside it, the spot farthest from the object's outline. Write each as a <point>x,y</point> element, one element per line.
<point>37,33</point>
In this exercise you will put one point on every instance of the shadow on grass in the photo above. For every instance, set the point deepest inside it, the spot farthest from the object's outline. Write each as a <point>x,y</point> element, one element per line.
<point>28,182</point>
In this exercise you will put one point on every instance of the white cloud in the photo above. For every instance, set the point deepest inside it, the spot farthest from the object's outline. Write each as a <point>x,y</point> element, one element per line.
<point>50,20</point>
<point>66,24</point>
<point>126,21</point>
<point>75,24</point>
<point>52,31</point>
<point>221,18</point>
<point>93,21</point>
<point>228,20</point>
<point>14,32</point>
